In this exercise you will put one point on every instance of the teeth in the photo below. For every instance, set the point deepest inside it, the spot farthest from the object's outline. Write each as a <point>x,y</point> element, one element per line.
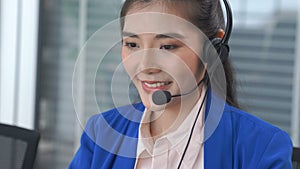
<point>154,85</point>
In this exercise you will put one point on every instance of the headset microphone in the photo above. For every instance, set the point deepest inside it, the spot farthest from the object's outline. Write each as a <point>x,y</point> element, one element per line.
<point>161,97</point>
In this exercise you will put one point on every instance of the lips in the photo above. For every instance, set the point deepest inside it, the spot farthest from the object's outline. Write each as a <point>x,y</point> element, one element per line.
<point>151,86</point>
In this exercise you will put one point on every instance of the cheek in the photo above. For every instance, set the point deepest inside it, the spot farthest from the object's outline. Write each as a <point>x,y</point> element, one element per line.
<point>189,71</point>
<point>125,59</point>
<point>130,64</point>
<point>124,53</point>
<point>192,61</point>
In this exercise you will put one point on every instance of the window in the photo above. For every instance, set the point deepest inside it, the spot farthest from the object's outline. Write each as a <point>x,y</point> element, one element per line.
<point>65,26</point>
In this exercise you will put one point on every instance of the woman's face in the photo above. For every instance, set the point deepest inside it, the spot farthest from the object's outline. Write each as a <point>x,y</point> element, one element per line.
<point>160,52</point>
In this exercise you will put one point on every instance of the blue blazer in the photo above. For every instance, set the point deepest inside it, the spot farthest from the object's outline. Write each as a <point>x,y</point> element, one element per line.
<point>239,141</point>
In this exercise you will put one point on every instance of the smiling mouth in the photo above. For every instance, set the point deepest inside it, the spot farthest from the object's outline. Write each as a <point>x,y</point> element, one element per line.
<point>156,84</point>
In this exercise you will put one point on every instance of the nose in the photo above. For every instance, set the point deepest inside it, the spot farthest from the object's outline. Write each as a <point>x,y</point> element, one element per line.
<point>149,62</point>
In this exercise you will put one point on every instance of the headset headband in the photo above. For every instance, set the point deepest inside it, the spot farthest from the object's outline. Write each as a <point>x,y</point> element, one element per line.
<point>228,28</point>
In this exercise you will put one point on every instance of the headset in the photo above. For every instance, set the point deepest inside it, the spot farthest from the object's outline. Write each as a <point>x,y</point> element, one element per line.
<point>221,44</point>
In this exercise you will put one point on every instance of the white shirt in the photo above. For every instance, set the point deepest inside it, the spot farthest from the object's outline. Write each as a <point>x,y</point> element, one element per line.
<point>166,151</point>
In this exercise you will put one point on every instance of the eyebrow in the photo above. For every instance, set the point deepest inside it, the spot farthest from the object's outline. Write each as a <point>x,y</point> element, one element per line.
<point>169,35</point>
<point>129,34</point>
<point>158,36</point>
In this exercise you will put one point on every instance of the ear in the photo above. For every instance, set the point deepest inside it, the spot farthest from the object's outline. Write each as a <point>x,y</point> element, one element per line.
<point>220,34</point>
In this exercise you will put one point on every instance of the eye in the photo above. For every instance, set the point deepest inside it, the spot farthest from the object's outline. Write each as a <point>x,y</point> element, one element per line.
<point>168,47</point>
<point>131,45</point>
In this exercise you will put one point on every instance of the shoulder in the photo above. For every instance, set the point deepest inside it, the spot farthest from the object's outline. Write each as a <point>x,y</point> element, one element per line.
<point>108,137</point>
<point>247,125</point>
<point>246,129</point>
<point>258,140</point>
<point>243,120</point>
<point>115,119</point>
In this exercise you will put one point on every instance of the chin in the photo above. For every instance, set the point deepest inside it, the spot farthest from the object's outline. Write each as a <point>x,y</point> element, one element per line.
<point>151,106</point>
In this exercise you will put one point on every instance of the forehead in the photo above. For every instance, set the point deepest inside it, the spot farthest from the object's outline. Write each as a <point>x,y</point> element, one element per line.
<point>158,23</point>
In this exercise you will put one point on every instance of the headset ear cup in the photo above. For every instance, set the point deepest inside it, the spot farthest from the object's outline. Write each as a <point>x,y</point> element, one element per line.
<point>223,52</point>
<point>222,49</point>
<point>216,42</point>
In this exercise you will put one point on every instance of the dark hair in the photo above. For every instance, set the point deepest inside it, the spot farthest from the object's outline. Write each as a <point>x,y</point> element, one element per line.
<point>207,15</point>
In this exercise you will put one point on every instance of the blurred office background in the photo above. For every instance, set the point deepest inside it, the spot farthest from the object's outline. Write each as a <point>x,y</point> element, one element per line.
<point>41,40</point>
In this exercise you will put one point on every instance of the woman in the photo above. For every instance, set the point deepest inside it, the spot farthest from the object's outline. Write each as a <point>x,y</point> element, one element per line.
<point>192,127</point>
